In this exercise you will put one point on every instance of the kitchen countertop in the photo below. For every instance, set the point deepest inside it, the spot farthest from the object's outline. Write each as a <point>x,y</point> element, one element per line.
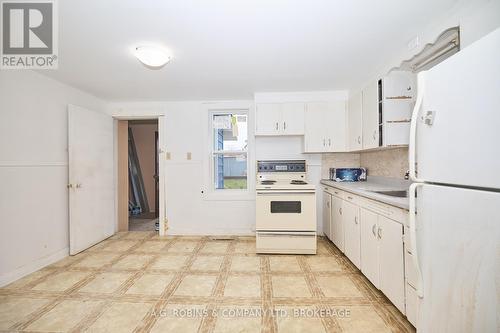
<point>375,183</point>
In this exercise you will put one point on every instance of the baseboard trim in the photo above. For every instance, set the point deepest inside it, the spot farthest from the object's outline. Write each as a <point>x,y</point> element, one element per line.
<point>211,232</point>
<point>33,267</point>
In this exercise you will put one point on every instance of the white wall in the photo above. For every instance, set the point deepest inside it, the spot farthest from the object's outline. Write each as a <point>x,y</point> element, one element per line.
<point>33,170</point>
<point>191,208</point>
<point>475,19</point>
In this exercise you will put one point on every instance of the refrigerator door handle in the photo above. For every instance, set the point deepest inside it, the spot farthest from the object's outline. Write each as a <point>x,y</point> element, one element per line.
<point>413,236</point>
<point>413,127</point>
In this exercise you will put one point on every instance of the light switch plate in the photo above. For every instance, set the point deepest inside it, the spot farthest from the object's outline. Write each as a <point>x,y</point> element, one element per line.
<point>188,156</point>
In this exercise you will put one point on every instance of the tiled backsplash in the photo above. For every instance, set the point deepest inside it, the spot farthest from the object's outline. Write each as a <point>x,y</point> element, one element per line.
<point>338,160</point>
<point>388,163</point>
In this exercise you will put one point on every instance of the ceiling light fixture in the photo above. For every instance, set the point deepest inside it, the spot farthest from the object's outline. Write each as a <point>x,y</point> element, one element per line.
<point>152,56</point>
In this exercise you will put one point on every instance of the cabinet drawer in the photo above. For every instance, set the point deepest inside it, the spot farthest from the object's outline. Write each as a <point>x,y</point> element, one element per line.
<point>334,191</point>
<point>391,212</point>
<point>411,305</point>
<point>410,271</point>
<point>352,198</point>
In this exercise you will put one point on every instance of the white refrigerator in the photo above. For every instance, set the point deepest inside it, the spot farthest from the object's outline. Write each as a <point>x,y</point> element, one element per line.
<point>455,201</point>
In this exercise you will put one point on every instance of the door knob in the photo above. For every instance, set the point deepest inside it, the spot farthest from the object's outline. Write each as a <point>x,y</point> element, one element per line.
<point>379,233</point>
<point>373,230</point>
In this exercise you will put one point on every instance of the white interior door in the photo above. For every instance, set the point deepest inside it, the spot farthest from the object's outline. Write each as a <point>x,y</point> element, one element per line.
<point>91,178</point>
<point>458,234</point>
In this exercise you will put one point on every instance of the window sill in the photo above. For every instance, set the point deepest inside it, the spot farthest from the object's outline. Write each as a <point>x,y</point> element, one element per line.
<point>230,195</point>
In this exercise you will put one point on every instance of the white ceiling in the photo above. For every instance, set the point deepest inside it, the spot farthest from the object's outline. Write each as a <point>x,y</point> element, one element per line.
<point>229,49</point>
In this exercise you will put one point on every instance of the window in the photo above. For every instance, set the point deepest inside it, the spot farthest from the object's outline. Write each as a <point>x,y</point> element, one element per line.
<point>229,150</point>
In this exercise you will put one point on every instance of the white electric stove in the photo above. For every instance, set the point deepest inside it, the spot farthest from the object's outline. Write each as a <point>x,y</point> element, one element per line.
<point>285,208</point>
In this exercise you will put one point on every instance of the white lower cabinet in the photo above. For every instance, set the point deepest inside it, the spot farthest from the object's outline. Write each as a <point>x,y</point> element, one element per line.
<point>350,218</point>
<point>362,230</point>
<point>337,228</point>
<point>369,246</point>
<point>382,255</point>
<point>327,213</point>
<point>391,255</point>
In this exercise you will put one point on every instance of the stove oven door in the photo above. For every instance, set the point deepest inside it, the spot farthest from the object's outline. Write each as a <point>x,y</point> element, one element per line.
<point>285,211</point>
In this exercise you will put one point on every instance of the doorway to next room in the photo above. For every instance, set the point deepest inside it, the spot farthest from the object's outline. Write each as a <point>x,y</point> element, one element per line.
<point>139,183</point>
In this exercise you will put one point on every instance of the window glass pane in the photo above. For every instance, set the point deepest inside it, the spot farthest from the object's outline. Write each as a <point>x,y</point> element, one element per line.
<point>230,171</point>
<point>230,132</point>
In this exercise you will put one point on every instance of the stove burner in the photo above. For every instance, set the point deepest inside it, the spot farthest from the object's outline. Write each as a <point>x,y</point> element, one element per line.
<point>268,182</point>
<point>298,182</point>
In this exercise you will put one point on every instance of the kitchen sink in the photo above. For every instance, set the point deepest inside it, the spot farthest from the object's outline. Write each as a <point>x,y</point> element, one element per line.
<point>393,193</point>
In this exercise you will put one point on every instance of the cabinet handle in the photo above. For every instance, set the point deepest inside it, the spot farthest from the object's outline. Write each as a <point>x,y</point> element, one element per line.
<point>340,211</point>
<point>374,134</point>
<point>355,220</point>
<point>276,125</point>
<point>328,204</point>
<point>379,233</point>
<point>324,142</point>
<point>329,142</point>
<point>359,139</point>
<point>350,198</point>
<point>284,125</point>
<point>373,230</point>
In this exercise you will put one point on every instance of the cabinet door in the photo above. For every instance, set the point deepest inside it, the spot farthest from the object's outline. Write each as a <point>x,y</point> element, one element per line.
<point>370,116</point>
<point>337,224</point>
<point>390,234</point>
<point>292,119</point>
<point>354,121</point>
<point>268,119</point>
<point>350,217</point>
<point>314,136</point>
<point>399,84</point>
<point>369,246</point>
<point>327,213</point>
<point>334,123</point>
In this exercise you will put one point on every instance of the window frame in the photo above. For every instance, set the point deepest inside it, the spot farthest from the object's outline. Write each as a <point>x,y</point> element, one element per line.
<point>213,152</point>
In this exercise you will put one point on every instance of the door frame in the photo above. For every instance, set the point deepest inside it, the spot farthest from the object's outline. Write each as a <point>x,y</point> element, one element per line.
<point>162,193</point>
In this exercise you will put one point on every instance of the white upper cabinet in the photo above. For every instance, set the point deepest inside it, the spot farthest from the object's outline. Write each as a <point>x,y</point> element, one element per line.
<point>279,119</point>
<point>386,108</point>
<point>293,118</point>
<point>370,116</point>
<point>268,119</point>
<point>325,127</point>
<point>354,121</point>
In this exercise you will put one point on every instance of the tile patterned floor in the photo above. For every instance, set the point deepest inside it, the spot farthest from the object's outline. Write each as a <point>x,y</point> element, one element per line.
<point>139,282</point>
